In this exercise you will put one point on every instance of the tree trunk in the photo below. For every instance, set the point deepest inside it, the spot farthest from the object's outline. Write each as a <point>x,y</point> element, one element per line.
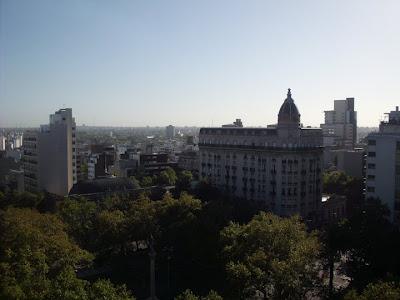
<point>331,274</point>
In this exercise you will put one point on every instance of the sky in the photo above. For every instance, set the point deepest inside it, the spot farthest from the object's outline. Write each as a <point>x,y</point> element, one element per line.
<point>196,63</point>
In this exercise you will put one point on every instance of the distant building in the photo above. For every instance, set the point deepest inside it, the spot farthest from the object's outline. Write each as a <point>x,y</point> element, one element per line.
<point>350,162</point>
<point>189,161</point>
<point>237,123</point>
<point>383,164</point>
<point>8,167</point>
<point>50,156</point>
<point>170,132</point>
<point>2,143</point>
<point>100,161</point>
<point>340,127</point>
<point>278,166</point>
<point>333,208</point>
<point>82,160</point>
<point>132,162</point>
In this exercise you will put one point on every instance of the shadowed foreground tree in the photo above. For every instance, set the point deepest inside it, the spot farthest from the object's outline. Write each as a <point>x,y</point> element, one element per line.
<point>372,245</point>
<point>374,291</point>
<point>38,260</point>
<point>188,295</point>
<point>79,215</point>
<point>271,255</point>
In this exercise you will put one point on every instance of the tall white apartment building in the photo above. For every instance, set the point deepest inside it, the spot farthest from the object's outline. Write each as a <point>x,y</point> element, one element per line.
<point>276,166</point>
<point>383,164</point>
<point>55,155</point>
<point>340,127</point>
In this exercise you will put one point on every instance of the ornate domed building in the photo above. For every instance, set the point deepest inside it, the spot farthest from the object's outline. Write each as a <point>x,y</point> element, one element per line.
<point>288,113</point>
<point>278,167</point>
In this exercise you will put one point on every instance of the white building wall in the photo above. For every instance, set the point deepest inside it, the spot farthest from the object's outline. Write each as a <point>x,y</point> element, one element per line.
<point>381,178</point>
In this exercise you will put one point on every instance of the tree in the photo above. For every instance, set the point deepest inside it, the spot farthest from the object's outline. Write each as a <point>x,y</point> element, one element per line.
<point>38,261</point>
<point>104,289</point>
<point>37,257</point>
<point>184,180</point>
<point>167,177</point>
<point>141,220</point>
<point>335,182</point>
<point>373,291</point>
<point>272,255</point>
<point>332,238</point>
<point>80,215</point>
<point>189,295</point>
<point>111,230</point>
<point>135,182</point>
<point>146,181</point>
<point>372,245</point>
<point>24,199</point>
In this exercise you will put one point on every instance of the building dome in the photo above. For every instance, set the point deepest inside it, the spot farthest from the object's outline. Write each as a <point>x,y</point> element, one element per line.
<point>289,114</point>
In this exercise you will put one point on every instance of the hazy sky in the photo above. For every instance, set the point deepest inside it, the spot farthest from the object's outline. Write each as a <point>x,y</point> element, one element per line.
<point>189,62</point>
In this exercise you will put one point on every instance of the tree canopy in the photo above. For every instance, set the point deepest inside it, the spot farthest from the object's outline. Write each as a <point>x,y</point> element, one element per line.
<point>38,260</point>
<point>272,255</point>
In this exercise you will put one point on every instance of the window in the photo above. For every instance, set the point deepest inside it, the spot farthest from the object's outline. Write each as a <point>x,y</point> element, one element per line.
<point>371,189</point>
<point>371,166</point>
<point>371,177</point>
<point>371,154</point>
<point>372,142</point>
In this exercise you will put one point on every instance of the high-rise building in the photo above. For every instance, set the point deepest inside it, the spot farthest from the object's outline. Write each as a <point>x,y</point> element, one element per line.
<point>170,132</point>
<point>2,143</point>
<point>278,166</point>
<point>383,164</point>
<point>52,149</point>
<point>30,160</point>
<point>340,127</point>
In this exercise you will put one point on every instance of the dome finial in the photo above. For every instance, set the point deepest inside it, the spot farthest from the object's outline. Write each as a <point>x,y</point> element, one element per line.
<point>289,94</point>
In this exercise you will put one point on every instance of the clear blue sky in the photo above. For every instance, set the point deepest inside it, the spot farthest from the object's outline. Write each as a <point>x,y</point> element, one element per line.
<point>136,63</point>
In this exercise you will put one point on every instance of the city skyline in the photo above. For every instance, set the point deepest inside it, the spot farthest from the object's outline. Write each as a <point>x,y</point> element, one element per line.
<point>195,64</point>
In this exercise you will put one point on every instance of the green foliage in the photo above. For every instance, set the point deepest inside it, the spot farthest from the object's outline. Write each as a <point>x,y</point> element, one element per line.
<point>184,180</point>
<point>146,181</point>
<point>135,182</point>
<point>372,244</point>
<point>36,255</point>
<point>111,230</point>
<point>335,182</point>
<point>142,219</point>
<point>271,255</point>
<point>167,177</point>
<point>80,216</point>
<point>177,220</point>
<point>189,295</point>
<point>104,289</point>
<point>373,291</point>
<point>24,199</point>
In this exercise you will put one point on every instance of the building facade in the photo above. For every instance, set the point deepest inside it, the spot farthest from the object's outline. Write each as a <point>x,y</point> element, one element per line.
<point>278,167</point>
<point>383,164</point>
<point>30,161</point>
<point>349,161</point>
<point>101,161</point>
<point>340,127</point>
<point>170,132</point>
<point>50,155</point>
